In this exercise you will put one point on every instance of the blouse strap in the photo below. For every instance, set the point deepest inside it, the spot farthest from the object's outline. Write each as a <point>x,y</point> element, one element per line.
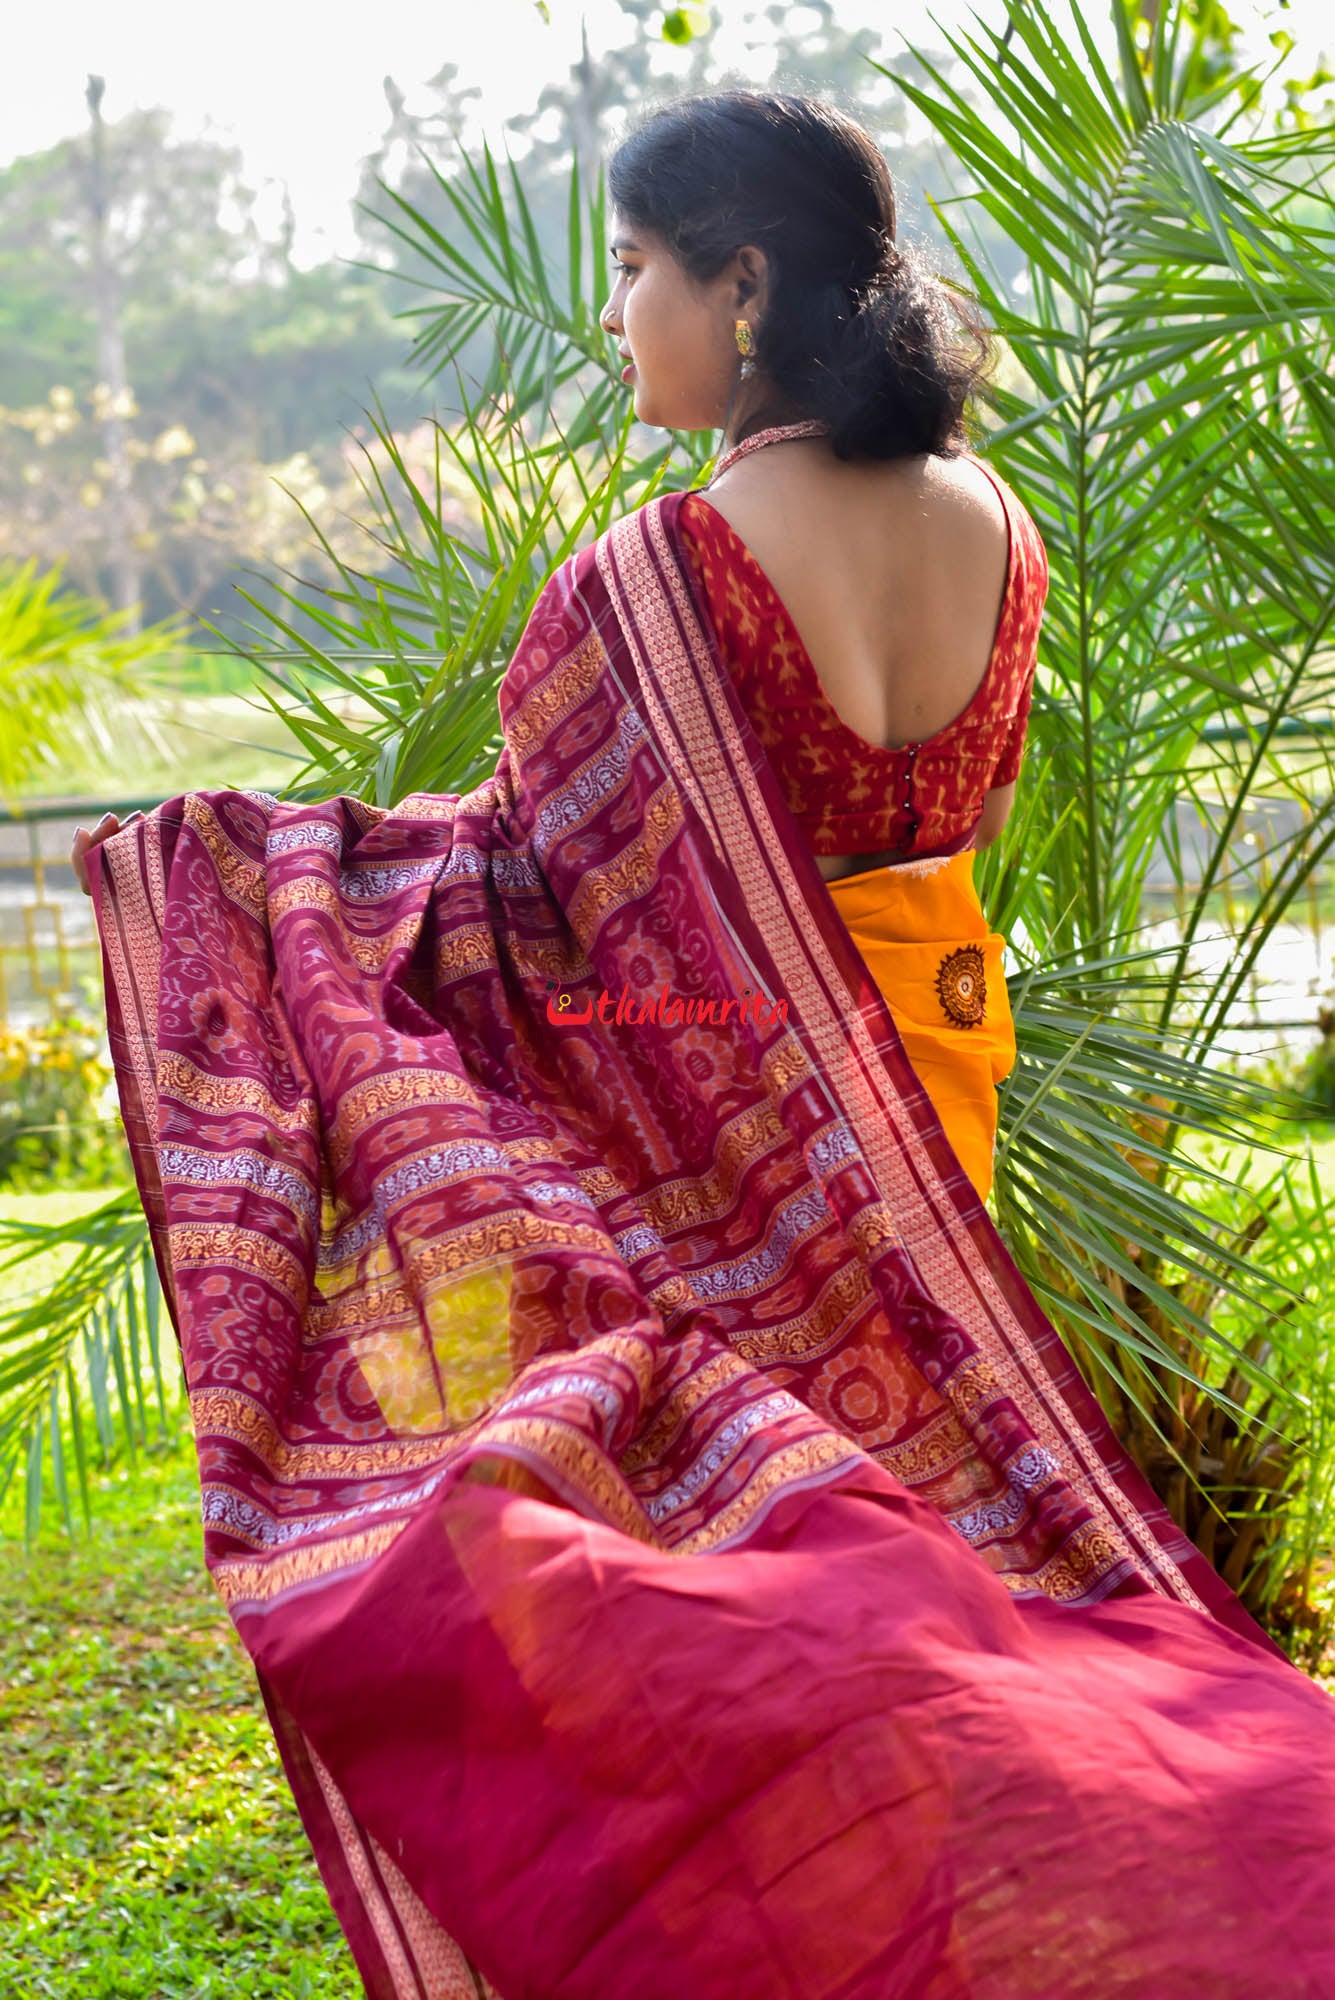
<point>776,434</point>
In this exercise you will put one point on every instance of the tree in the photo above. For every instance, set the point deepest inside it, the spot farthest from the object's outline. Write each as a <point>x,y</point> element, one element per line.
<point>190,518</point>
<point>225,381</point>
<point>164,236</point>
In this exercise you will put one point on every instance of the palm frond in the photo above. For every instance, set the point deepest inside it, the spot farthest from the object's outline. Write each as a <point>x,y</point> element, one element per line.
<point>1166,414</point>
<point>83,1371</point>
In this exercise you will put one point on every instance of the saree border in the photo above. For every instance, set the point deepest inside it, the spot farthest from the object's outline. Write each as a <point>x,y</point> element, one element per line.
<point>129,923</point>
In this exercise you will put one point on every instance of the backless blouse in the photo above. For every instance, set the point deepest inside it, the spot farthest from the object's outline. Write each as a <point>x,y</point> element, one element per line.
<point>851,796</point>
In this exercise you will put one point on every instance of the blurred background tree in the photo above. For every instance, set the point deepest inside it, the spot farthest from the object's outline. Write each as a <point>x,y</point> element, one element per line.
<point>243,370</point>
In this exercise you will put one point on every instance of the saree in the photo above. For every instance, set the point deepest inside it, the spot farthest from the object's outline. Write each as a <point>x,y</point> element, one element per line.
<point>677,1555</point>
<point>920,930</point>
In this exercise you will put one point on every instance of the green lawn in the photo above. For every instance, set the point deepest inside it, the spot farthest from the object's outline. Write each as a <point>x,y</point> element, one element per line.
<point>149,1846</point>
<point>170,744</point>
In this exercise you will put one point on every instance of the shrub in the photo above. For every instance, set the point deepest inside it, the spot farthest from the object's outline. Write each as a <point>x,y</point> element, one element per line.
<point>57,1121</point>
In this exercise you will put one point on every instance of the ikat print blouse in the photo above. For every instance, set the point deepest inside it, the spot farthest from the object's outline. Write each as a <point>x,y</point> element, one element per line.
<point>851,796</point>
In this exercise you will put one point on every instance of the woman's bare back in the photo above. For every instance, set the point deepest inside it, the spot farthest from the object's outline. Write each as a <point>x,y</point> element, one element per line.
<point>894,576</point>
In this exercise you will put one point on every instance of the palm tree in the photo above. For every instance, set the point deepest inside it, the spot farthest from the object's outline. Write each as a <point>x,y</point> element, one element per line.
<point>1165,409</point>
<point>66,663</point>
<point>1162,409</point>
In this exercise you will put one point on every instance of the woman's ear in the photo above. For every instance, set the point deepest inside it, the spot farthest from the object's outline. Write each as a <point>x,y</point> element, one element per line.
<point>751,275</point>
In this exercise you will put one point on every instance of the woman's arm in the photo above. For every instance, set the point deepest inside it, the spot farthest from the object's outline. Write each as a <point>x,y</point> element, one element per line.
<point>996,811</point>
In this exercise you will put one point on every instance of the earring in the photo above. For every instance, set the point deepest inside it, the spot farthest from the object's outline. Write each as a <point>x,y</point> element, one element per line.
<point>746,347</point>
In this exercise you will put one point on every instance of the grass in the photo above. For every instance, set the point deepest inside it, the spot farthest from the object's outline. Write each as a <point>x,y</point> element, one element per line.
<point>176,743</point>
<point>149,1846</point>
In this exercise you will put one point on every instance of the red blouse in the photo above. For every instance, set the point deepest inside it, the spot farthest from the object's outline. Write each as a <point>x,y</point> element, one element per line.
<point>851,796</point>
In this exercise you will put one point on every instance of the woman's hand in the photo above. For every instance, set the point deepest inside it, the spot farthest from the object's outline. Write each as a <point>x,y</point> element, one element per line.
<point>83,840</point>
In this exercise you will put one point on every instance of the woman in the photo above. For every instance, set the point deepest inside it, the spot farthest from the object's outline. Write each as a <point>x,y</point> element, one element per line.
<point>875,594</point>
<point>557,1138</point>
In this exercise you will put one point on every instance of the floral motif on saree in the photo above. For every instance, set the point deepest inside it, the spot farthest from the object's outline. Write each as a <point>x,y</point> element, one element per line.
<point>961,984</point>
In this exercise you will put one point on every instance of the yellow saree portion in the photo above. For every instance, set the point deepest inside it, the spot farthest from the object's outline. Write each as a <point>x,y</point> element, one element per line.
<point>920,928</point>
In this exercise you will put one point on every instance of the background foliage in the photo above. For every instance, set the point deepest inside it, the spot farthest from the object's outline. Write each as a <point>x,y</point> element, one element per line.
<point>55,1122</point>
<point>247,372</point>
<point>1165,410</point>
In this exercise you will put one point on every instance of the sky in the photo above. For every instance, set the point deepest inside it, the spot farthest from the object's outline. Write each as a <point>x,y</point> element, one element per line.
<point>299,88</point>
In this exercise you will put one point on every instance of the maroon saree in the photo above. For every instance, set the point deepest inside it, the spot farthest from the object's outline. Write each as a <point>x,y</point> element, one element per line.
<point>556,1138</point>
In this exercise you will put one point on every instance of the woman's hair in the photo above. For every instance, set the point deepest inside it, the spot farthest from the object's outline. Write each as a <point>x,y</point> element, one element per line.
<point>857,330</point>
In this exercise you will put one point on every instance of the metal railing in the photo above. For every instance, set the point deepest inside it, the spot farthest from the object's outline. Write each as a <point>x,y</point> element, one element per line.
<point>48,945</point>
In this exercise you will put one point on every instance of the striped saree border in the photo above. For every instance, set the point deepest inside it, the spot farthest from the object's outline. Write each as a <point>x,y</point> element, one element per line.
<point>401,1951</point>
<point>127,882</point>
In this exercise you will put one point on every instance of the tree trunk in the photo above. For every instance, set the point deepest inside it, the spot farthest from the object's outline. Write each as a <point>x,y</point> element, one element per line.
<point>584,118</point>
<point>125,579</point>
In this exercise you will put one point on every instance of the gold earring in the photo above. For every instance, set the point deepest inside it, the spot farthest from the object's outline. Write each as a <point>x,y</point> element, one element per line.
<point>746,346</point>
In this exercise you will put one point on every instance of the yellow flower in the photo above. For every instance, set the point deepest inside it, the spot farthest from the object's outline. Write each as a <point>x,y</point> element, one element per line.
<point>174,442</point>
<point>122,404</point>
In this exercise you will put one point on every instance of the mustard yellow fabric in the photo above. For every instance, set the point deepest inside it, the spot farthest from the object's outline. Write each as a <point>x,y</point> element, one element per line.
<point>921,930</point>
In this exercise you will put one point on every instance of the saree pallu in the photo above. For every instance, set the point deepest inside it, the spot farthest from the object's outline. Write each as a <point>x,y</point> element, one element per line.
<point>557,1135</point>
<point>920,930</point>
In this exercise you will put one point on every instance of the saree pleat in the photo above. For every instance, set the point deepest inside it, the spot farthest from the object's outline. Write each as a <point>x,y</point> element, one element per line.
<point>557,1135</point>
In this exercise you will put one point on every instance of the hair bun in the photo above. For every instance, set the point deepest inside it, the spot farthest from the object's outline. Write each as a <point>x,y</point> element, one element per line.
<point>902,365</point>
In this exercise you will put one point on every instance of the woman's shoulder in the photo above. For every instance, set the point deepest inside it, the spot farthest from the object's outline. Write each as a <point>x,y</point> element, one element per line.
<point>685,517</point>
<point>672,527</point>
<point>697,519</point>
<point>689,507</point>
<point>1029,556</point>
